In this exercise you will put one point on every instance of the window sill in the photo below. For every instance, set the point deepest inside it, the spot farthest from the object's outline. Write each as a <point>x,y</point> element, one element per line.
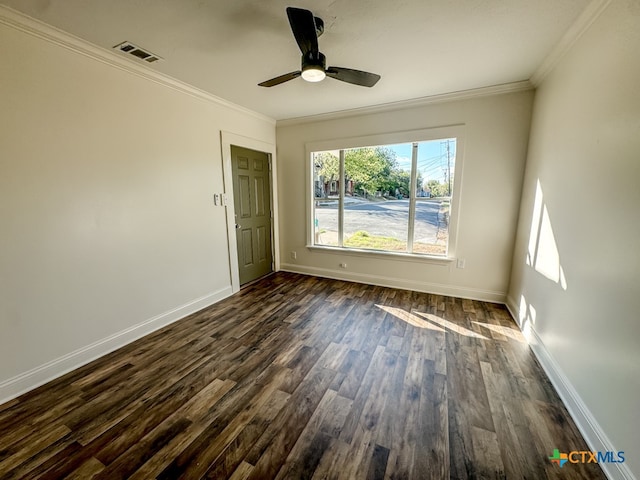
<point>404,257</point>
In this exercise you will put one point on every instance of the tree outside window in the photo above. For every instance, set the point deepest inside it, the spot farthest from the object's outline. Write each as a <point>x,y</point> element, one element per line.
<point>372,204</point>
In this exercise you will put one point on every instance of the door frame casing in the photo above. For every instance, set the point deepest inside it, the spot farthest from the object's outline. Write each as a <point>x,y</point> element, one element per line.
<point>228,139</point>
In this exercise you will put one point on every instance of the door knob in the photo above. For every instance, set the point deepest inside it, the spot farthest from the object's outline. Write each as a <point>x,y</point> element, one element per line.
<point>238,226</point>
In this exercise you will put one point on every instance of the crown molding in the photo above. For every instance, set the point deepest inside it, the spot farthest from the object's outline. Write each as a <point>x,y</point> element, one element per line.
<point>589,15</point>
<point>19,21</point>
<point>512,87</point>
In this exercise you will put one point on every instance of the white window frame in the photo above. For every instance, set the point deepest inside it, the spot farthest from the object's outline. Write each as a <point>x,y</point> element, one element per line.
<point>409,136</point>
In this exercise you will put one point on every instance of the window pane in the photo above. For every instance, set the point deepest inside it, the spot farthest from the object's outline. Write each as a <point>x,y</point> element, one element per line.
<point>376,205</point>
<point>436,167</point>
<point>326,193</point>
<point>377,227</point>
<point>378,199</point>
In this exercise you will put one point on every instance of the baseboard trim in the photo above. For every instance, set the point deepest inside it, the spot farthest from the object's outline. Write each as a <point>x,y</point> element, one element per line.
<point>435,288</point>
<point>24,382</point>
<point>591,430</point>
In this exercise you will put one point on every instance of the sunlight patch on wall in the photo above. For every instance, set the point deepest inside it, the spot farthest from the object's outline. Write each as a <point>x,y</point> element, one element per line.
<point>535,225</point>
<point>522,311</point>
<point>542,253</point>
<point>526,318</point>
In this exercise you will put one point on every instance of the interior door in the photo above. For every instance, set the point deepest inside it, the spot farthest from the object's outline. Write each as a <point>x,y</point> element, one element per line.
<point>252,202</point>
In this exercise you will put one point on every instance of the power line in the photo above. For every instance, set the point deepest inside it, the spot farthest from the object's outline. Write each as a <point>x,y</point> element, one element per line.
<point>448,164</point>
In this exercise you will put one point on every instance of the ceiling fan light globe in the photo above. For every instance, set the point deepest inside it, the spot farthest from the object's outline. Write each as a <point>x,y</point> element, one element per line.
<point>313,74</point>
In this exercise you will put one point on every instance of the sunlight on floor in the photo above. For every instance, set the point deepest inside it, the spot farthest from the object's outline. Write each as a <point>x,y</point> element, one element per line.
<point>502,330</point>
<point>430,321</point>
<point>410,318</point>
<point>451,326</point>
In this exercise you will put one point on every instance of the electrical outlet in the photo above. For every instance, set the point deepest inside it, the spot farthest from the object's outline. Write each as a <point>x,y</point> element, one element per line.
<point>343,265</point>
<point>294,255</point>
<point>461,263</point>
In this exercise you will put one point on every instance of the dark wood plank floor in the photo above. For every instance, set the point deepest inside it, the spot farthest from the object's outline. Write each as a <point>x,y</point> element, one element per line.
<point>300,377</point>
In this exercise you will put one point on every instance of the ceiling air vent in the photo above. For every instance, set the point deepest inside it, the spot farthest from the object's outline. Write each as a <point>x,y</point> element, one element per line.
<point>142,54</point>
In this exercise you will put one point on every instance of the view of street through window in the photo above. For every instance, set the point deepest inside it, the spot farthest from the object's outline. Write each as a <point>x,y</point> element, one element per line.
<point>377,197</point>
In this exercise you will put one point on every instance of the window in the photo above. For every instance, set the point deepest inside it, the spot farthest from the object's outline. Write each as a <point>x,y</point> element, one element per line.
<point>386,197</point>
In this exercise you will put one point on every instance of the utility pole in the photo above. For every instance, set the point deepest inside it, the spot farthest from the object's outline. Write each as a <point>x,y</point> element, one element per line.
<point>448,179</point>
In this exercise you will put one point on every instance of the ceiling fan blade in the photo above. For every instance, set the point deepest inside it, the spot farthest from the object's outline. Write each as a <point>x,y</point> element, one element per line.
<point>281,79</point>
<point>349,75</point>
<point>303,26</point>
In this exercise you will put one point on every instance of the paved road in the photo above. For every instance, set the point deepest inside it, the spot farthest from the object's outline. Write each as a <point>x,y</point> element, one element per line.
<point>389,219</point>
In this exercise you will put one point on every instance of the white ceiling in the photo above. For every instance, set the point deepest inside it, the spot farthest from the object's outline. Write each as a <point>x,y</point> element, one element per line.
<point>419,47</point>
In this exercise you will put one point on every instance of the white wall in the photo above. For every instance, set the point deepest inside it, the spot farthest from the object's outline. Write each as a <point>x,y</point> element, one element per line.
<point>496,131</point>
<point>579,290</point>
<point>106,212</point>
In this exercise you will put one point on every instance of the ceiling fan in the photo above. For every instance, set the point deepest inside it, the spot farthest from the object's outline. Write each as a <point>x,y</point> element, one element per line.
<point>306,30</point>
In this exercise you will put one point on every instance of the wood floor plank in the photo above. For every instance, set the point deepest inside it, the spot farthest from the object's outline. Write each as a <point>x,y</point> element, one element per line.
<point>305,458</point>
<point>374,364</point>
<point>431,460</point>
<point>208,454</point>
<point>306,447</point>
<point>43,459</point>
<point>232,458</point>
<point>488,461</point>
<point>355,366</point>
<point>46,438</point>
<point>512,447</point>
<point>389,427</point>
<point>35,427</point>
<point>137,455</point>
<point>293,419</point>
<point>242,472</point>
<point>89,469</point>
<point>335,454</point>
<point>302,377</point>
<point>226,410</point>
<point>200,411</point>
<point>378,464</point>
<point>363,442</point>
<point>401,456</point>
<point>336,414</point>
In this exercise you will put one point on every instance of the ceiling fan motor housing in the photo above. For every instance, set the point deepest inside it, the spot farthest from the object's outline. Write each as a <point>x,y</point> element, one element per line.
<point>306,29</point>
<point>314,60</point>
